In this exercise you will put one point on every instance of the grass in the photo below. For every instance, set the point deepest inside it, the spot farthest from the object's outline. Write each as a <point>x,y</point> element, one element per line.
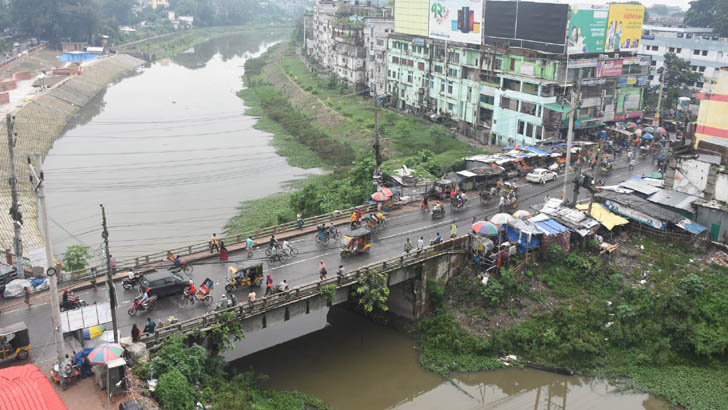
<point>269,211</point>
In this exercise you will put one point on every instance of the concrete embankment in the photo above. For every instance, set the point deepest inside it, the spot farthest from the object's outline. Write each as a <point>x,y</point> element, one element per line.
<point>37,125</point>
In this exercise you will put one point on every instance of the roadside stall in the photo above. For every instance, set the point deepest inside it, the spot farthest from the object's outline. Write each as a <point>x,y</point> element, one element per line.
<point>479,178</point>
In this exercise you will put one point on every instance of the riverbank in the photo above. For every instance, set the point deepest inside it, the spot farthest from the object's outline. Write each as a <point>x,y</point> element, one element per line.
<point>652,317</point>
<point>38,124</point>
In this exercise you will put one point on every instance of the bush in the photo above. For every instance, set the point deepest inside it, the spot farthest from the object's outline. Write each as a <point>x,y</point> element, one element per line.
<point>328,292</point>
<point>76,258</point>
<point>173,391</point>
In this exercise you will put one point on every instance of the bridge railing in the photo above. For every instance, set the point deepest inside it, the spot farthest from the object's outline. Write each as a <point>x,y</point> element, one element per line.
<point>277,300</point>
<point>157,257</point>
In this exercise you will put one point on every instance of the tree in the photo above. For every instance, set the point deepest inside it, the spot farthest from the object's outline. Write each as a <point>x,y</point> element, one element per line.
<point>118,10</point>
<point>55,20</point>
<point>708,13</point>
<point>173,391</point>
<point>373,291</point>
<point>675,74</point>
<point>76,258</point>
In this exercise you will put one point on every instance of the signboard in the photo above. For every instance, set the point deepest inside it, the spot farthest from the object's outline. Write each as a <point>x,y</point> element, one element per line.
<point>588,28</point>
<point>621,82</point>
<point>634,114</point>
<point>631,101</point>
<point>526,24</point>
<point>411,17</point>
<point>583,63</point>
<point>619,117</point>
<point>456,20</point>
<point>590,82</point>
<point>590,102</point>
<point>609,68</point>
<point>92,315</point>
<point>643,80</point>
<point>635,215</point>
<point>608,113</point>
<point>624,28</point>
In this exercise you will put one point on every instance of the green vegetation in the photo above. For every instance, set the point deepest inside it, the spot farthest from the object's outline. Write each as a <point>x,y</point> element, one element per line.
<point>328,292</point>
<point>667,337</point>
<point>373,291</point>
<point>76,258</point>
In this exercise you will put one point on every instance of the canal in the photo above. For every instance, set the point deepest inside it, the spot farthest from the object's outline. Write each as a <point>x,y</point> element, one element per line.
<point>168,151</point>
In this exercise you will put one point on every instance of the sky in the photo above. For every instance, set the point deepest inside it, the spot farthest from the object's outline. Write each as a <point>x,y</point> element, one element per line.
<point>683,4</point>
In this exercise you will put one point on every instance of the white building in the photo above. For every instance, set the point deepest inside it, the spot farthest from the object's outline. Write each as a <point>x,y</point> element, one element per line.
<point>706,51</point>
<point>319,38</point>
<point>376,32</point>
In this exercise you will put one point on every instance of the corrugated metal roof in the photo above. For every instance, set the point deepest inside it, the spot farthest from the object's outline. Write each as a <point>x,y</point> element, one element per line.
<point>26,387</point>
<point>551,227</point>
<point>640,186</point>
<point>673,199</point>
<point>713,159</point>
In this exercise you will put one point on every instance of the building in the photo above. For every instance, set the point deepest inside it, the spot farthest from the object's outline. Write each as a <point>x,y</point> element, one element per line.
<point>706,51</point>
<point>713,113</point>
<point>155,3</point>
<point>376,32</point>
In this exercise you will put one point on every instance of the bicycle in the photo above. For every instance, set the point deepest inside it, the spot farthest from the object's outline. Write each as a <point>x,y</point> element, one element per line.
<point>186,268</point>
<point>290,252</point>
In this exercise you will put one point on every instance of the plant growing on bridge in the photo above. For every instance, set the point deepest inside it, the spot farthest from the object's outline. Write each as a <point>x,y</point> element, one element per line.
<point>328,292</point>
<point>373,291</point>
<point>76,258</point>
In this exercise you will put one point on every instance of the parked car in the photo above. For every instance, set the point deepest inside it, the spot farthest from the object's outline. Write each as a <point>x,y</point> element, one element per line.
<point>7,273</point>
<point>541,176</point>
<point>163,284</point>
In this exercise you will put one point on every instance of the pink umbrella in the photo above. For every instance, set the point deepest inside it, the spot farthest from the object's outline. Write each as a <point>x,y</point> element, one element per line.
<point>385,191</point>
<point>379,197</point>
<point>660,130</point>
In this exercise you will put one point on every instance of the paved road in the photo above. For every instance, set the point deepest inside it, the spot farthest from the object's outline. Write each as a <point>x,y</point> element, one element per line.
<point>302,269</point>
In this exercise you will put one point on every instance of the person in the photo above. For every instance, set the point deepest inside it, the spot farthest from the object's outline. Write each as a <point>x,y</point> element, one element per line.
<point>453,231</point>
<point>223,252</point>
<point>453,193</point>
<point>272,242</point>
<point>499,185</point>
<point>493,192</point>
<point>407,246</point>
<point>283,286</point>
<point>340,271</point>
<point>501,203</point>
<point>112,259</point>
<point>134,333</point>
<point>192,290</point>
<point>358,215</point>
<point>438,239</point>
<point>27,296</point>
<point>436,207</point>
<point>332,229</point>
<point>299,219</point>
<point>177,262</point>
<point>131,275</point>
<point>352,220</point>
<point>476,260</point>
<point>149,328</point>
<point>251,296</point>
<point>420,244</point>
<point>423,206</point>
<point>426,202</point>
<point>629,154</point>
<point>287,248</point>
<point>213,243</point>
<point>322,270</point>
<point>239,276</point>
<point>380,218</point>
<point>631,164</point>
<point>67,304</point>
<point>171,256</point>
<point>144,296</point>
<point>269,286</point>
<point>274,253</point>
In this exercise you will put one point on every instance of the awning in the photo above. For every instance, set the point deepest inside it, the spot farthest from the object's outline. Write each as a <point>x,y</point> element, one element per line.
<point>587,122</point>
<point>606,218</point>
<point>558,107</point>
<point>466,173</point>
<point>692,227</point>
<point>551,227</point>
<point>535,150</point>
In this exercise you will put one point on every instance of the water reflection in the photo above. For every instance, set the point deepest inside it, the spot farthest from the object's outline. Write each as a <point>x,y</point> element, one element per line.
<point>229,47</point>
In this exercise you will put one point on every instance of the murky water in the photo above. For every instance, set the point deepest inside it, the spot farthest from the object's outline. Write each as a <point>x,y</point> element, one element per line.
<point>168,151</point>
<point>354,364</point>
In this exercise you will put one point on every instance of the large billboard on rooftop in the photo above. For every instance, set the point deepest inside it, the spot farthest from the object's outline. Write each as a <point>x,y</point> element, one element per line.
<point>624,28</point>
<point>456,20</point>
<point>588,28</point>
<point>527,24</point>
<point>411,17</point>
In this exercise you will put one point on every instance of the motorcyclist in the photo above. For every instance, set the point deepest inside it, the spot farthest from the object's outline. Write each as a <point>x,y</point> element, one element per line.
<point>144,297</point>
<point>171,256</point>
<point>132,275</point>
<point>332,229</point>
<point>67,303</point>
<point>436,207</point>
<point>272,242</point>
<point>177,262</point>
<point>380,218</point>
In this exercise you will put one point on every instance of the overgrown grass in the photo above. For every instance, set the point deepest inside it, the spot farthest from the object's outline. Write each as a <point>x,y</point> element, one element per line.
<point>259,213</point>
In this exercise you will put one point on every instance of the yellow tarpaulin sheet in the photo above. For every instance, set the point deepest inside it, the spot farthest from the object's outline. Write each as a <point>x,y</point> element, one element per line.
<point>603,216</point>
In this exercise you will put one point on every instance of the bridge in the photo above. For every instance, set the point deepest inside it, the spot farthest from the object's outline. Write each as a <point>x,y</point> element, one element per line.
<point>433,262</point>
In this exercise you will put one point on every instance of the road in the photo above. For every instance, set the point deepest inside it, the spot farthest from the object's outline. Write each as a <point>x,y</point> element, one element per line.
<point>303,268</point>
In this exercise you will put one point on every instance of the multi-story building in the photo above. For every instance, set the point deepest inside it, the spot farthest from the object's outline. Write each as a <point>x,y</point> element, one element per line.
<point>376,32</point>
<point>319,45</point>
<point>707,52</point>
<point>712,118</point>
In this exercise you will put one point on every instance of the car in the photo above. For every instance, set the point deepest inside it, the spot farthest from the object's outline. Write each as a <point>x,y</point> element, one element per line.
<point>163,284</point>
<point>541,176</point>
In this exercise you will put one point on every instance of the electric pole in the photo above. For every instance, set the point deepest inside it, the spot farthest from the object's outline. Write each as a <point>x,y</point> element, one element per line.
<point>15,213</point>
<point>656,119</point>
<point>377,150</point>
<point>570,136</point>
<point>51,271</point>
<point>109,277</point>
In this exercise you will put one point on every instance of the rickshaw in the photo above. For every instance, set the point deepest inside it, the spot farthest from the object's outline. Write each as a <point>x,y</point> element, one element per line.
<point>240,277</point>
<point>443,187</point>
<point>202,295</point>
<point>14,342</point>
<point>606,167</point>
<point>487,196</point>
<point>356,244</point>
<point>459,202</point>
<point>509,187</point>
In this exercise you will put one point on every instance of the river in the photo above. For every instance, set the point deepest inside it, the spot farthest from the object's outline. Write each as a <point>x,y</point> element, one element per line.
<point>168,152</point>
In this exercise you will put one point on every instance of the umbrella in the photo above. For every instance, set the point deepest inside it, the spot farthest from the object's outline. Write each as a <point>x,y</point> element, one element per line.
<point>484,228</point>
<point>93,332</point>
<point>619,124</point>
<point>648,136</point>
<point>105,353</point>
<point>521,214</point>
<point>385,191</point>
<point>638,132</point>
<point>660,130</point>
<point>650,129</point>
<point>502,219</point>
<point>631,125</point>
<point>379,196</point>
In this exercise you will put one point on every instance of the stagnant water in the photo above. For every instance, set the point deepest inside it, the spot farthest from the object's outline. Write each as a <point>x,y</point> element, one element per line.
<point>354,364</point>
<point>168,151</point>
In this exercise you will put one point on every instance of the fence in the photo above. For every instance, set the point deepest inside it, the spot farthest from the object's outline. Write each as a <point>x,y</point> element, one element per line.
<point>282,299</point>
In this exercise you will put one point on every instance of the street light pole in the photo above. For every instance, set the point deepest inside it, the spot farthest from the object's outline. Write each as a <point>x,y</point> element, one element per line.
<point>51,271</point>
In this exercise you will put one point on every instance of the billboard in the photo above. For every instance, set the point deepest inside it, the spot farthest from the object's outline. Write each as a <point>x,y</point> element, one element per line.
<point>411,17</point>
<point>456,20</point>
<point>526,24</point>
<point>588,28</point>
<point>609,68</point>
<point>624,28</point>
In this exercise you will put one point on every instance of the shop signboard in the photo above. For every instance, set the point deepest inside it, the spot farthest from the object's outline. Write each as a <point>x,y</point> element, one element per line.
<point>608,113</point>
<point>643,80</point>
<point>591,82</point>
<point>624,28</point>
<point>582,63</point>
<point>631,101</point>
<point>590,102</point>
<point>609,68</point>
<point>456,20</point>
<point>635,114</point>
<point>621,82</point>
<point>588,28</point>
<point>635,215</point>
<point>620,117</point>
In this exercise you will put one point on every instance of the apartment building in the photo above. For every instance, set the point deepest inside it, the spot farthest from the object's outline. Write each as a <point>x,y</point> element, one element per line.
<point>707,52</point>
<point>376,32</point>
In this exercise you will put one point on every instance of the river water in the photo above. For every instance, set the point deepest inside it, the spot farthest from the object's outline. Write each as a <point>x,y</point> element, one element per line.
<point>168,151</point>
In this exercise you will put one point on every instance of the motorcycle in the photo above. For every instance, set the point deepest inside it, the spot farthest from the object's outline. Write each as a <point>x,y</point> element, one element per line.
<point>65,373</point>
<point>439,212</point>
<point>131,283</point>
<point>137,305</point>
<point>76,303</point>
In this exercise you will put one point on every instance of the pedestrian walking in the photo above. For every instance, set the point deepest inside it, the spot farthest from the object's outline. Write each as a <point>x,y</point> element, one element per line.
<point>134,333</point>
<point>501,203</point>
<point>213,243</point>
<point>453,231</point>
<point>269,288</point>
<point>426,204</point>
<point>27,296</point>
<point>223,252</point>
<point>407,246</point>
<point>322,270</point>
<point>299,219</point>
<point>420,244</point>
<point>340,271</point>
<point>112,259</point>
<point>358,215</point>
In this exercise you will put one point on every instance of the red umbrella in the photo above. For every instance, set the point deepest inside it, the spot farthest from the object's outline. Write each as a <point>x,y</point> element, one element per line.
<point>385,191</point>
<point>379,196</point>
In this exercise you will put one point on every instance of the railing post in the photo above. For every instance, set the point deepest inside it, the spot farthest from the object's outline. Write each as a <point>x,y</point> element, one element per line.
<point>238,238</point>
<point>147,258</point>
<point>189,250</point>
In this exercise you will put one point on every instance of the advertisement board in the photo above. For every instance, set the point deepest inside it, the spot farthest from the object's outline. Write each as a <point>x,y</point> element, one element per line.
<point>591,82</point>
<point>590,102</point>
<point>411,17</point>
<point>609,68</point>
<point>624,28</point>
<point>634,214</point>
<point>588,28</point>
<point>631,102</point>
<point>456,20</point>
<point>526,24</point>
<point>583,63</point>
<point>608,113</point>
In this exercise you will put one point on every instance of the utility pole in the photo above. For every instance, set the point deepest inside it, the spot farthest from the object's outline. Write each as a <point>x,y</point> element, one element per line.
<point>51,271</point>
<point>656,119</point>
<point>377,148</point>
<point>15,213</point>
<point>570,136</point>
<point>109,277</point>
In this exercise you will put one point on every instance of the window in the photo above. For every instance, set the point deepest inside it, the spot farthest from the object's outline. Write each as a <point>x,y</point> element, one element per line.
<point>452,72</point>
<point>442,86</point>
<point>380,42</point>
<point>450,107</point>
<point>509,104</point>
<point>449,87</point>
<point>679,50</point>
<point>699,84</point>
<point>528,108</point>
<point>655,48</point>
<point>651,77</point>
<point>696,52</point>
<point>529,129</point>
<point>438,68</point>
<point>513,65</point>
<point>432,84</point>
<point>693,68</point>
<point>409,77</point>
<point>679,35</point>
<point>671,49</point>
<point>653,63</point>
<point>453,57</point>
<point>521,125</point>
<point>701,69</point>
<point>538,132</point>
<point>406,46</point>
<point>704,53</point>
<point>421,66</point>
<point>487,99</point>
<point>395,60</point>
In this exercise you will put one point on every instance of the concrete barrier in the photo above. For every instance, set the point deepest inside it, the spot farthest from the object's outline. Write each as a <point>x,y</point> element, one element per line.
<point>4,98</point>
<point>8,85</point>
<point>22,76</point>
<point>72,70</point>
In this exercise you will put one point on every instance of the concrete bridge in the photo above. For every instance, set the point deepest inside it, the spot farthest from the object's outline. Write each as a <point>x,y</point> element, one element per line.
<point>407,277</point>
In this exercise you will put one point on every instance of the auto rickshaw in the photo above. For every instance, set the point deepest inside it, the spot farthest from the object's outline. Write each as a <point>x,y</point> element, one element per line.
<point>14,342</point>
<point>240,277</point>
<point>356,244</point>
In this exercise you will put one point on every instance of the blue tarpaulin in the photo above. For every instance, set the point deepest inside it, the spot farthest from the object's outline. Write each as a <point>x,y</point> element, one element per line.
<point>77,56</point>
<point>535,150</point>
<point>551,227</point>
<point>522,238</point>
<point>692,227</point>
